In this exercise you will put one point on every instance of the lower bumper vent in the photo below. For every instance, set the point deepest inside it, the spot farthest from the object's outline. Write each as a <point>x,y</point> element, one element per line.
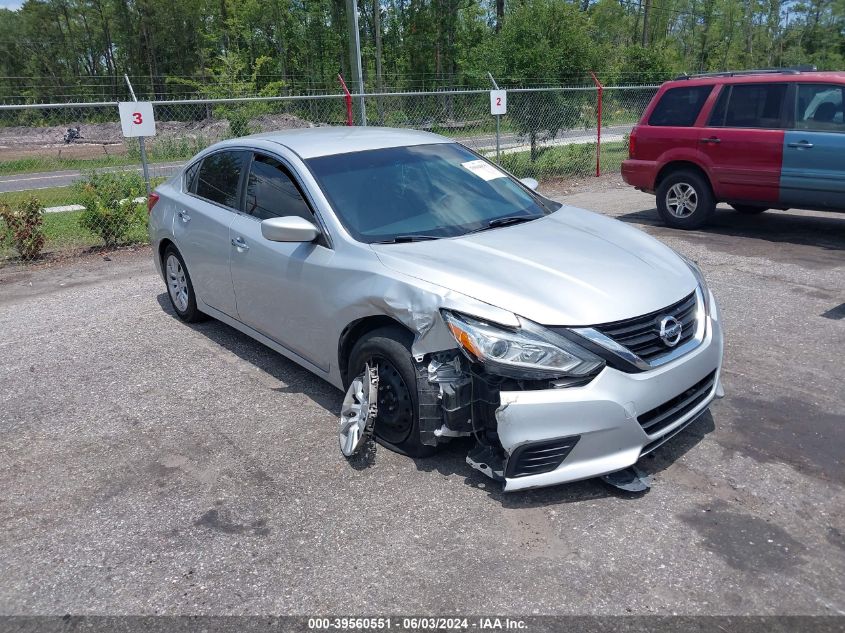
<point>673,410</point>
<point>540,457</point>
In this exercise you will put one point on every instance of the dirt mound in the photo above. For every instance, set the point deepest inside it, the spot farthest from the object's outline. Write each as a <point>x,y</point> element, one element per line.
<point>20,137</point>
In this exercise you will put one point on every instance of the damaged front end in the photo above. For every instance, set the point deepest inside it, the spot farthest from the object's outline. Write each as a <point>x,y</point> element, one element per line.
<point>460,389</point>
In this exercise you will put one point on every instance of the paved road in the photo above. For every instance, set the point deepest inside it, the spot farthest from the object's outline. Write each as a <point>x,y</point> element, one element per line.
<point>482,143</point>
<point>44,180</point>
<point>153,467</point>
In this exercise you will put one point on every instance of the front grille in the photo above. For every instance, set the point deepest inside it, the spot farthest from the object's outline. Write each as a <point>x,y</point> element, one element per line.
<point>673,410</point>
<point>641,335</point>
<point>540,457</point>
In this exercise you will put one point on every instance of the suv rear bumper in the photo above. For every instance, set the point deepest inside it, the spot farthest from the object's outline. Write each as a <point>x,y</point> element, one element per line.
<point>601,418</point>
<point>639,173</point>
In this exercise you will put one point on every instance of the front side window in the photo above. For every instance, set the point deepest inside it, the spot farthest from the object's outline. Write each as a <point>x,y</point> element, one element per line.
<point>219,175</point>
<point>755,106</point>
<point>679,107</point>
<point>820,107</point>
<point>422,191</point>
<point>271,193</point>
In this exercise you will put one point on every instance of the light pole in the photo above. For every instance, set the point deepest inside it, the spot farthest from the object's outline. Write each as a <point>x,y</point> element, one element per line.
<point>355,55</point>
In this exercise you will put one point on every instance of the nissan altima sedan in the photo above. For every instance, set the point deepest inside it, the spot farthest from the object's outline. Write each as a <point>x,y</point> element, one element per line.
<point>445,297</point>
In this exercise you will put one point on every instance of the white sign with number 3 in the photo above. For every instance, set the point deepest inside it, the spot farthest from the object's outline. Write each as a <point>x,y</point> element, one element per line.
<point>498,101</point>
<point>136,118</point>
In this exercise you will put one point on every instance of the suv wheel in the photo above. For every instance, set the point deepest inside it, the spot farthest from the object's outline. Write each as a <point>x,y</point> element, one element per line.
<point>748,209</point>
<point>684,200</point>
<point>179,286</point>
<point>397,424</point>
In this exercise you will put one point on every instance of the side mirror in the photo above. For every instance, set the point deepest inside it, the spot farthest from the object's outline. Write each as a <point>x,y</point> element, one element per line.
<point>530,183</point>
<point>290,228</point>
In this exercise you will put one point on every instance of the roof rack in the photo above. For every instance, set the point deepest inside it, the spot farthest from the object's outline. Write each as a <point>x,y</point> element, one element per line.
<point>792,70</point>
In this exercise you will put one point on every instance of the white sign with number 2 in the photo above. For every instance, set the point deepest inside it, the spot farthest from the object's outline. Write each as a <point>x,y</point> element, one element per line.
<point>136,118</point>
<point>498,101</point>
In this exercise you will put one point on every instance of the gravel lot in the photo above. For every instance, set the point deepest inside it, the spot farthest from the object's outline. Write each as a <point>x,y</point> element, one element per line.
<point>153,467</point>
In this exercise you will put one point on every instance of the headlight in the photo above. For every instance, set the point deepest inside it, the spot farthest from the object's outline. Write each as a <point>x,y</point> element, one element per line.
<point>702,283</point>
<point>528,352</point>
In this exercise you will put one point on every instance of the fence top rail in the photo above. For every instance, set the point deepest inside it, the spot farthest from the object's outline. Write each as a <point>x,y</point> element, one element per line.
<point>433,93</point>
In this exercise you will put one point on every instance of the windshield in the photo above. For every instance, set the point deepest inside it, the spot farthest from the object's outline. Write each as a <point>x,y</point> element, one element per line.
<point>422,192</point>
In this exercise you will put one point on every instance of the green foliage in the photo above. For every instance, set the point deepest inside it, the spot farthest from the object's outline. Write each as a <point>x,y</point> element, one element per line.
<point>24,226</point>
<point>110,208</point>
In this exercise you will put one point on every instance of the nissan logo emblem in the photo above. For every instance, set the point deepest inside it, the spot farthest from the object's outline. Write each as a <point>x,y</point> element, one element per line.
<point>670,331</point>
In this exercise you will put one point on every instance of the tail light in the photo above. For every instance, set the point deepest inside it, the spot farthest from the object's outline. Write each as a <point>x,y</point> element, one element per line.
<point>151,201</point>
<point>632,143</point>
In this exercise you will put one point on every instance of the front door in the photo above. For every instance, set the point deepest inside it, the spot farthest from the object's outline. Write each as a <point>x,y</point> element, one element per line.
<point>743,142</point>
<point>280,286</point>
<point>814,149</point>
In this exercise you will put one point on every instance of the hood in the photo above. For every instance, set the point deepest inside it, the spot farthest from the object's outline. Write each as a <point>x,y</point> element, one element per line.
<point>572,267</point>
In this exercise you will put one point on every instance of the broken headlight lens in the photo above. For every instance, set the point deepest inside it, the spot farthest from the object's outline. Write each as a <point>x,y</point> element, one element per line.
<point>527,352</point>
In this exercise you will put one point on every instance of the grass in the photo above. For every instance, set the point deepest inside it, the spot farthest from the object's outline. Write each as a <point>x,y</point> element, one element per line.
<point>53,163</point>
<point>62,230</point>
<point>566,160</point>
<point>49,197</point>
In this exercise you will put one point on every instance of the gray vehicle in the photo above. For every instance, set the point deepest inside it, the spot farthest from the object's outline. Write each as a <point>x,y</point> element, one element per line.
<point>446,297</point>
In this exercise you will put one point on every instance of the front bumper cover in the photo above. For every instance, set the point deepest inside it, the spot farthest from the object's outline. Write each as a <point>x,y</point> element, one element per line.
<point>604,414</point>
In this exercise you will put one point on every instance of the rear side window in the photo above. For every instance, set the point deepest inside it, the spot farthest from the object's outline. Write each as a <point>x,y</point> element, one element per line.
<point>754,106</point>
<point>271,192</point>
<point>679,107</point>
<point>219,175</point>
<point>820,107</point>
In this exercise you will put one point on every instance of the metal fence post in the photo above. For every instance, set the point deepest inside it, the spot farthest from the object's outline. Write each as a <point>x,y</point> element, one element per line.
<point>143,147</point>
<point>498,117</point>
<point>348,98</point>
<point>598,124</point>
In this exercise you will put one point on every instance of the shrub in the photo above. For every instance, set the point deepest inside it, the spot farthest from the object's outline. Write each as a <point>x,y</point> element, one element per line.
<point>25,226</point>
<point>110,207</point>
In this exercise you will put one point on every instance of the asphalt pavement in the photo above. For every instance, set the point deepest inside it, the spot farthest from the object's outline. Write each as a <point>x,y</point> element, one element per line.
<point>150,466</point>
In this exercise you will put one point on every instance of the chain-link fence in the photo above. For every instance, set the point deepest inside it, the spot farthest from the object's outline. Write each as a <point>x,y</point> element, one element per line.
<point>70,182</point>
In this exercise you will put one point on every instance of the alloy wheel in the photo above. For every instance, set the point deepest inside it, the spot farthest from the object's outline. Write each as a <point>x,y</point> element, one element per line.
<point>681,200</point>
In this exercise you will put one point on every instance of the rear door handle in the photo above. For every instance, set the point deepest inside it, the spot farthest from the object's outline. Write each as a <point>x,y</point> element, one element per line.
<point>800,144</point>
<point>238,242</point>
<point>712,139</point>
<point>184,217</point>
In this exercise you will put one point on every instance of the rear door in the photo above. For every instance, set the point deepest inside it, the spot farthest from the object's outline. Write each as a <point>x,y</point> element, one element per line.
<point>201,226</point>
<point>814,149</point>
<point>742,142</point>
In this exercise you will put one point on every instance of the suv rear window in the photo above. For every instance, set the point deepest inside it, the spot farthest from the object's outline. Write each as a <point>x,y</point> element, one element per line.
<point>679,107</point>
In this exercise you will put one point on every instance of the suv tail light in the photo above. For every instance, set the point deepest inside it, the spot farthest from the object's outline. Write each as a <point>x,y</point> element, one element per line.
<point>632,143</point>
<point>151,201</point>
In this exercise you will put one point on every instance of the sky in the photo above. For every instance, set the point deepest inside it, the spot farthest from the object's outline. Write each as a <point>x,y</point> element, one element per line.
<point>10,4</point>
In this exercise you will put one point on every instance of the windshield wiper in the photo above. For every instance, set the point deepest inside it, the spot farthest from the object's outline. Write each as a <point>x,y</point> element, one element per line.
<point>408,238</point>
<point>507,220</point>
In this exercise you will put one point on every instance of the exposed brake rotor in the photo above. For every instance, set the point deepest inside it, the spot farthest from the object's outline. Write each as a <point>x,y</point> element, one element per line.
<point>358,415</point>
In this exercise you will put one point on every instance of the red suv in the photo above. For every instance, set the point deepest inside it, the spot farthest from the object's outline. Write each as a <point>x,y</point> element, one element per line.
<point>757,140</point>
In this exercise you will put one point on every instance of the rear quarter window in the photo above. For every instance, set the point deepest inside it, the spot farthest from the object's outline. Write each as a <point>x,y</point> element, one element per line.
<point>679,107</point>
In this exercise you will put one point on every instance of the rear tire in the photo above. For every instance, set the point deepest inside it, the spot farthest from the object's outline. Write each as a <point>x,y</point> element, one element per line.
<point>684,200</point>
<point>397,425</point>
<point>747,209</point>
<point>180,289</point>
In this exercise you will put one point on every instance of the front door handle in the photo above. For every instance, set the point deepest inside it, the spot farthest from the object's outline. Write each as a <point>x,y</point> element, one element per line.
<point>711,139</point>
<point>801,144</point>
<point>184,217</point>
<point>238,242</point>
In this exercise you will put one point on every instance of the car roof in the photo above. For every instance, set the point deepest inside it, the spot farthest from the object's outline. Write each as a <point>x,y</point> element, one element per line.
<point>326,141</point>
<point>761,77</point>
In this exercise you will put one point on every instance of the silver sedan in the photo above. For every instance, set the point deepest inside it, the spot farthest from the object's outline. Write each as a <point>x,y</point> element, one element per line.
<point>446,297</point>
